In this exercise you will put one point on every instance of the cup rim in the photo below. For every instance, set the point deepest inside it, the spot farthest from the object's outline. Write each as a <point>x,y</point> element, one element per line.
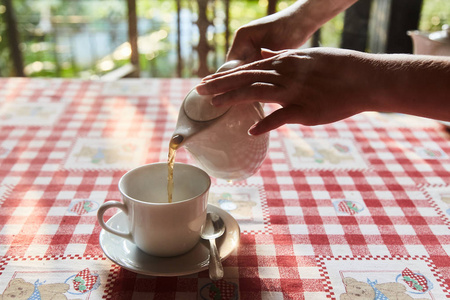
<point>164,203</point>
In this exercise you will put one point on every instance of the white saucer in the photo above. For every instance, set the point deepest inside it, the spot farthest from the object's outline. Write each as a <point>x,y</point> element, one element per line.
<point>127,255</point>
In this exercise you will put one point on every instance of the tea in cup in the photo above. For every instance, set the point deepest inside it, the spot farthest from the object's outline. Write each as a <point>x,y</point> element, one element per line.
<point>156,226</point>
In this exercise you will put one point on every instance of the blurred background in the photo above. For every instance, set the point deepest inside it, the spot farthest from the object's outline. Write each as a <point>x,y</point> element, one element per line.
<point>94,39</point>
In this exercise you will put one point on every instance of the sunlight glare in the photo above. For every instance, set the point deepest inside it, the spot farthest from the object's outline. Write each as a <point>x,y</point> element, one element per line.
<point>106,65</point>
<point>263,3</point>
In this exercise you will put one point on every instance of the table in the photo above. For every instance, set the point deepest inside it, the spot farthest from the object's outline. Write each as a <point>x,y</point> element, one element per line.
<point>357,206</point>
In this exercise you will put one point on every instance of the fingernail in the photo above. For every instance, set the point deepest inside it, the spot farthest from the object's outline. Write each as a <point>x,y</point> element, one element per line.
<point>200,88</point>
<point>205,79</point>
<point>252,130</point>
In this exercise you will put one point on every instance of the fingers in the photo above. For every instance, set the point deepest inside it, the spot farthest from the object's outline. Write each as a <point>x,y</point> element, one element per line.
<point>286,115</point>
<point>250,54</point>
<point>237,80</point>
<point>256,92</point>
<point>246,54</point>
<point>263,64</point>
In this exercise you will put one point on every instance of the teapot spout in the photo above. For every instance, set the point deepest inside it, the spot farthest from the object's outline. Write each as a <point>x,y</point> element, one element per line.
<point>186,129</point>
<point>176,141</point>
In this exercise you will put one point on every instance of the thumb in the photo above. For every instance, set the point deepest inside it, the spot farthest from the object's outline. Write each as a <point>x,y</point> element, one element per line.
<point>276,119</point>
<point>245,53</point>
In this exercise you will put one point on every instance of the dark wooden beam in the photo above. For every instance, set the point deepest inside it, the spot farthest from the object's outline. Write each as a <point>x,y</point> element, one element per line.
<point>179,57</point>
<point>13,39</point>
<point>272,7</point>
<point>356,24</point>
<point>315,39</point>
<point>227,25</point>
<point>133,37</point>
<point>405,15</point>
<point>203,47</point>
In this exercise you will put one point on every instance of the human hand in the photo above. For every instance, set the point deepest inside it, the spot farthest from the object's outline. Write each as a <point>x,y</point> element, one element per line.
<point>276,32</point>
<point>289,28</point>
<point>313,86</point>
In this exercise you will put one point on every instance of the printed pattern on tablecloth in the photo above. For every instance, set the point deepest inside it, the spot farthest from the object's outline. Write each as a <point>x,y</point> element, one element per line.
<point>67,227</point>
<point>4,190</point>
<point>439,197</point>
<point>352,205</point>
<point>79,207</point>
<point>55,277</point>
<point>346,207</point>
<point>144,87</point>
<point>30,114</point>
<point>382,277</point>
<point>247,204</point>
<point>318,153</point>
<point>433,152</point>
<point>421,152</point>
<point>5,148</point>
<point>224,289</point>
<point>128,88</point>
<point>104,153</point>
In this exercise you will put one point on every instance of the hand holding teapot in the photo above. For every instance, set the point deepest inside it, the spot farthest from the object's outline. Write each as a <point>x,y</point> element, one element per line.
<point>218,138</point>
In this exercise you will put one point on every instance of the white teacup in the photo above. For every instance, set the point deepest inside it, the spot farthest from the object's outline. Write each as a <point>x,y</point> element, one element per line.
<point>157,227</point>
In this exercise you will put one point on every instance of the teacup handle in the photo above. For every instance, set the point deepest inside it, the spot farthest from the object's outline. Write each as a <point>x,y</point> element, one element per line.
<point>103,208</point>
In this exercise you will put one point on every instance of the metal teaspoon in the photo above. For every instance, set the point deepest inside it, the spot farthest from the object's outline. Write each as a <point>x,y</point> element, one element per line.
<point>214,227</point>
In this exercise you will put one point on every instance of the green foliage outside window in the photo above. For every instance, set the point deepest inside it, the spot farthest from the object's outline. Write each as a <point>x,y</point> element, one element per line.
<point>51,32</point>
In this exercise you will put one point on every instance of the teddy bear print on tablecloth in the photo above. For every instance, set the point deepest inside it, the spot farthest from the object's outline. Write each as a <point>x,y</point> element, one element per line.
<point>247,204</point>
<point>446,199</point>
<point>317,153</point>
<point>19,289</point>
<point>372,290</point>
<point>383,277</point>
<point>78,285</point>
<point>106,153</point>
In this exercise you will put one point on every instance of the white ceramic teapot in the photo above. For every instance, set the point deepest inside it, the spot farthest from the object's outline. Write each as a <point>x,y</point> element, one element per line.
<point>218,138</point>
<point>435,43</point>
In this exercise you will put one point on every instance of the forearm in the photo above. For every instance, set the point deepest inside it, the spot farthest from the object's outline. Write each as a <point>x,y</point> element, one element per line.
<point>411,84</point>
<point>322,85</point>
<point>312,14</point>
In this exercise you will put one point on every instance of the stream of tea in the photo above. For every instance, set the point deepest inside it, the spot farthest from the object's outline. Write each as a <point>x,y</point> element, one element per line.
<point>175,142</point>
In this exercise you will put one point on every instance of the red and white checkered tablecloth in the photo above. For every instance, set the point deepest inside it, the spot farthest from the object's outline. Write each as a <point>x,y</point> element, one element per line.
<point>357,209</point>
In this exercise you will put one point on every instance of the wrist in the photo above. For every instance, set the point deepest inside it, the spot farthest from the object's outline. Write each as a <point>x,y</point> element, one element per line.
<point>312,14</point>
<point>412,84</point>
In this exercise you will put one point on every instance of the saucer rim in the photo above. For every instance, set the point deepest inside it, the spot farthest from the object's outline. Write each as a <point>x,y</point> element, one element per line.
<point>211,208</point>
